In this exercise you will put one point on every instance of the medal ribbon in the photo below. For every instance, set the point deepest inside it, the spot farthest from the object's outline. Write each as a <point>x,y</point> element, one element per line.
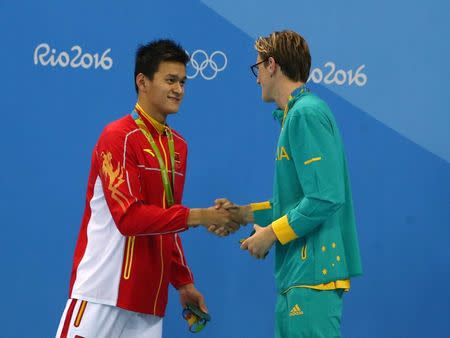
<point>162,166</point>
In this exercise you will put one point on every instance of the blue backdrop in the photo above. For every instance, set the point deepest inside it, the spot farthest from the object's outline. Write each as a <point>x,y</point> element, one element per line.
<point>67,70</point>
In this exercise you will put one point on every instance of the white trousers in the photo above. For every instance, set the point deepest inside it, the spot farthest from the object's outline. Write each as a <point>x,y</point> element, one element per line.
<point>82,319</point>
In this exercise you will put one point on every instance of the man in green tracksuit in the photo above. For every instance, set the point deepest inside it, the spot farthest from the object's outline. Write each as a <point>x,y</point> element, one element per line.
<point>310,217</point>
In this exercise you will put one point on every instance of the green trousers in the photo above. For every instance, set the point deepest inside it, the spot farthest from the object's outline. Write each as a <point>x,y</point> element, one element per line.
<point>308,313</point>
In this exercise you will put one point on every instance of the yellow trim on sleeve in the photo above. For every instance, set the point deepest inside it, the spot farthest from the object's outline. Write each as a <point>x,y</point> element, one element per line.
<point>339,284</point>
<point>314,159</point>
<point>283,230</point>
<point>260,206</point>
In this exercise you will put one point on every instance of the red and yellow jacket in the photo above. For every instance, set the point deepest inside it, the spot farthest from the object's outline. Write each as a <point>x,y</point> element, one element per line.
<point>128,249</point>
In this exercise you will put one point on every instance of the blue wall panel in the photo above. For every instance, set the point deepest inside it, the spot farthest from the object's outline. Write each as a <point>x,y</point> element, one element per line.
<point>394,127</point>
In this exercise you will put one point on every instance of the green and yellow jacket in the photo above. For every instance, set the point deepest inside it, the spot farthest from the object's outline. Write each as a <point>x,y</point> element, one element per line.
<point>311,210</point>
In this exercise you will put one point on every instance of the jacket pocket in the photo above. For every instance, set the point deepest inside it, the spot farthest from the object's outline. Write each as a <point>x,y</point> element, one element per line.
<point>129,247</point>
<point>304,252</point>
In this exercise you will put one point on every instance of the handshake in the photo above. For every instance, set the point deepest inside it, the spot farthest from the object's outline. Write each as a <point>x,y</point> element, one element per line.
<point>223,218</point>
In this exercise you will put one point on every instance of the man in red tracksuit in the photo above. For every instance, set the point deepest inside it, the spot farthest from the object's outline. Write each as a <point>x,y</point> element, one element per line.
<point>129,250</point>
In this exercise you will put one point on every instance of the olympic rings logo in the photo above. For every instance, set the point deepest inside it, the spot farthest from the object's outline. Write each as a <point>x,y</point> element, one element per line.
<point>207,66</point>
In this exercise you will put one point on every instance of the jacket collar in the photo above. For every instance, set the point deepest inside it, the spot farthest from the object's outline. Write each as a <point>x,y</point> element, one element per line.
<point>293,98</point>
<point>149,121</point>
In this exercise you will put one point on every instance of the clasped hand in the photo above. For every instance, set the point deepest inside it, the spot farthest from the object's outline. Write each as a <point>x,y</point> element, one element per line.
<point>263,237</point>
<point>227,217</point>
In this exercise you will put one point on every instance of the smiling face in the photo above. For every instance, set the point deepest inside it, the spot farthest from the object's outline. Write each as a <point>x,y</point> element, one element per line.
<point>163,94</point>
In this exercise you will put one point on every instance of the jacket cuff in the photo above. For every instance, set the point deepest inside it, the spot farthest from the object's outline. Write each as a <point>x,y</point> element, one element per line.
<point>182,283</point>
<point>283,230</point>
<point>260,206</point>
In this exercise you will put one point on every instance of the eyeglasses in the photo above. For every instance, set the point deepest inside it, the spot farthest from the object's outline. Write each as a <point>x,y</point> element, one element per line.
<point>255,68</point>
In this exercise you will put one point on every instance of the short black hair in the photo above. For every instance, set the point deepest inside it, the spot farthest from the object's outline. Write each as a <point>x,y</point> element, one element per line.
<point>149,56</point>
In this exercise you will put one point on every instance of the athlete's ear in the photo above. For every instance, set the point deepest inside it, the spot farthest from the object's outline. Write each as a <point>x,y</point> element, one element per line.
<point>272,65</point>
<point>141,81</point>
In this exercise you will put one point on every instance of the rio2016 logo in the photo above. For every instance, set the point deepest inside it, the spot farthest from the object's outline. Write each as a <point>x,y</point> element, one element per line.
<point>339,77</point>
<point>44,55</point>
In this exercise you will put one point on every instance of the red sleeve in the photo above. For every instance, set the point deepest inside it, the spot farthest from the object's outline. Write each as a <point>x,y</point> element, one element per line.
<point>180,273</point>
<point>118,171</point>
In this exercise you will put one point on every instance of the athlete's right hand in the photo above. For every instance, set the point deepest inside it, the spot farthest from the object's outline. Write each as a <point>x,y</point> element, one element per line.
<point>242,214</point>
<point>219,220</point>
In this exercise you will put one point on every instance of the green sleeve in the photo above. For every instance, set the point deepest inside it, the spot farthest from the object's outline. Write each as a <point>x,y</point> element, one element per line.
<point>316,152</point>
<point>262,213</point>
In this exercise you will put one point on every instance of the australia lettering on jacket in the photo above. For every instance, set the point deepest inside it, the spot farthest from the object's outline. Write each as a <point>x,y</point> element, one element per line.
<point>282,154</point>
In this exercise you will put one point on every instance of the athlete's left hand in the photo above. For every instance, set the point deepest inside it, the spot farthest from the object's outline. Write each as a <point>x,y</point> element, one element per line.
<point>260,242</point>
<point>189,294</point>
